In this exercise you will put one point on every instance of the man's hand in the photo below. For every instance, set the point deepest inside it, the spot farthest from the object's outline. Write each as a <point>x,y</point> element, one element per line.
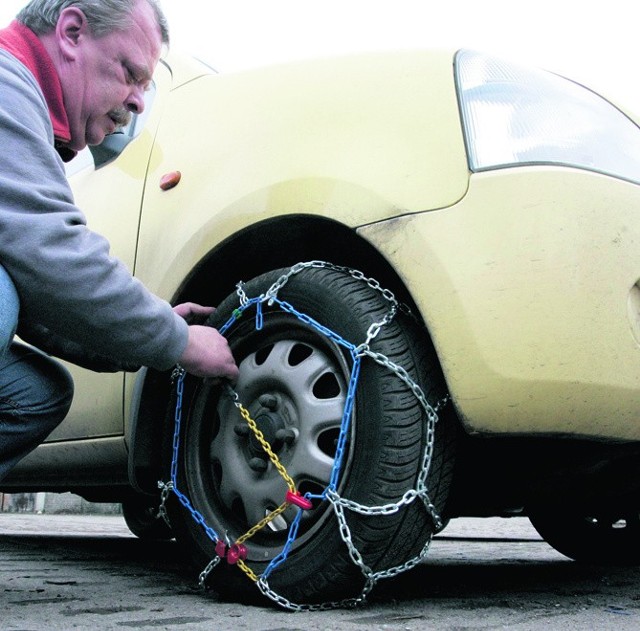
<point>207,353</point>
<point>192,312</point>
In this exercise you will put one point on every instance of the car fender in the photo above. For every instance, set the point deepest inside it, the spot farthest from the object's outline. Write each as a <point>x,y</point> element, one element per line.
<point>356,140</point>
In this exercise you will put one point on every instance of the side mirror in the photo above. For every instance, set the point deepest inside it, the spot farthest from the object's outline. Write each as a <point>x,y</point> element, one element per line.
<point>110,148</point>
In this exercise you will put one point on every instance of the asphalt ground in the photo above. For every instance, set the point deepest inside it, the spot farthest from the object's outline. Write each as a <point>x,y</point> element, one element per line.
<point>62,572</point>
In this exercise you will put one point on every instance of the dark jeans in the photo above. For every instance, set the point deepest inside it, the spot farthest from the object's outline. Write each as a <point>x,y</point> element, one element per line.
<point>35,390</point>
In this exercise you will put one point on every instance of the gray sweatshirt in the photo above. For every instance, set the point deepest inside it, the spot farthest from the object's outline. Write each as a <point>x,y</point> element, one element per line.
<point>71,290</point>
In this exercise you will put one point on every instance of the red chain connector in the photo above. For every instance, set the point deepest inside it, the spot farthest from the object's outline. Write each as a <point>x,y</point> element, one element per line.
<point>237,552</point>
<point>221,549</point>
<point>298,500</point>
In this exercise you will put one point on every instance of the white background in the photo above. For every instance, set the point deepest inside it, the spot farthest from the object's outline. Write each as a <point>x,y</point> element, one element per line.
<point>595,43</point>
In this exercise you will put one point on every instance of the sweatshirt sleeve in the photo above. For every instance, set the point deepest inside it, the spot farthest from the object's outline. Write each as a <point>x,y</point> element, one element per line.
<point>66,279</point>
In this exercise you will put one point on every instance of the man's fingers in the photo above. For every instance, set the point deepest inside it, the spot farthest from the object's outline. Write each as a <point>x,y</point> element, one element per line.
<point>208,354</point>
<point>192,312</point>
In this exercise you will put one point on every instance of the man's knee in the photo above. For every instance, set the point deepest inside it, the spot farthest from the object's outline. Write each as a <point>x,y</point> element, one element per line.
<point>53,390</point>
<point>36,386</point>
<point>61,393</point>
<point>35,395</point>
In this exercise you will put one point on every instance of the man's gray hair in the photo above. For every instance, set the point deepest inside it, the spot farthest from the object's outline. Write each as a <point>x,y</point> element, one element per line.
<point>103,16</point>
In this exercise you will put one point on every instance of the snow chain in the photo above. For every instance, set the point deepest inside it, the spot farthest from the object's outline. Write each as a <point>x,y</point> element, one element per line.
<point>236,552</point>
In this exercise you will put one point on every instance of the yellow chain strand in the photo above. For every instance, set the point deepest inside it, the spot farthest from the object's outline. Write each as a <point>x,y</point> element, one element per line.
<point>261,524</point>
<point>247,570</point>
<point>267,447</point>
<point>278,511</point>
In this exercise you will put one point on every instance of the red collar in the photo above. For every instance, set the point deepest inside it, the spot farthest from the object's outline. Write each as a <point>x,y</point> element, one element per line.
<point>25,46</point>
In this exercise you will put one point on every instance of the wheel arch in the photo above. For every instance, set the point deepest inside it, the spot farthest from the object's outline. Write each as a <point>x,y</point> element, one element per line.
<point>271,244</point>
<point>282,242</point>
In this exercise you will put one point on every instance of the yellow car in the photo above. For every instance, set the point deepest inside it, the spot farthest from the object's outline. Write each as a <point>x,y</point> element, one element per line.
<point>439,316</point>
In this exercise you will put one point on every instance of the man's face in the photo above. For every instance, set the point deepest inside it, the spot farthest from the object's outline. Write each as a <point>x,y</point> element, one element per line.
<point>108,77</point>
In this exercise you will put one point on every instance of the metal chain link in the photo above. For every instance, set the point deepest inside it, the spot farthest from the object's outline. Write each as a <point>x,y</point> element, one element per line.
<point>338,503</point>
<point>202,578</point>
<point>387,294</point>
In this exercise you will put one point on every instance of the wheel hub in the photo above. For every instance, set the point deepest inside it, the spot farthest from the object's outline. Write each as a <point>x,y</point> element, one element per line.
<point>272,426</point>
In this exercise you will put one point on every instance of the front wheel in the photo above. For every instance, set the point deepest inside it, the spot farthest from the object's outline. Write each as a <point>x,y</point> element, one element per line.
<point>294,382</point>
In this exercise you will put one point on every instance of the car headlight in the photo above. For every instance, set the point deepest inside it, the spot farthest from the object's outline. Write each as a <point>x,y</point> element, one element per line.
<point>514,116</point>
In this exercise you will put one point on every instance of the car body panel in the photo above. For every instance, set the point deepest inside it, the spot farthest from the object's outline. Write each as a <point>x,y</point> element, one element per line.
<point>527,287</point>
<point>238,167</point>
<point>93,463</point>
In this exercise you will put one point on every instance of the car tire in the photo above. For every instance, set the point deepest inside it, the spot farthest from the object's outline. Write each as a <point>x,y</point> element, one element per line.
<point>141,516</point>
<point>600,536</point>
<point>294,378</point>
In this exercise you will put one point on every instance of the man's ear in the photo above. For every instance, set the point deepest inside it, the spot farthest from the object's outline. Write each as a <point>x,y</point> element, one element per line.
<point>71,29</point>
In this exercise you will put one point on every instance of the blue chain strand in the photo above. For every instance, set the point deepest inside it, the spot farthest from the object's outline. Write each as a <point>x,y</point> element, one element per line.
<point>184,500</point>
<point>284,553</point>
